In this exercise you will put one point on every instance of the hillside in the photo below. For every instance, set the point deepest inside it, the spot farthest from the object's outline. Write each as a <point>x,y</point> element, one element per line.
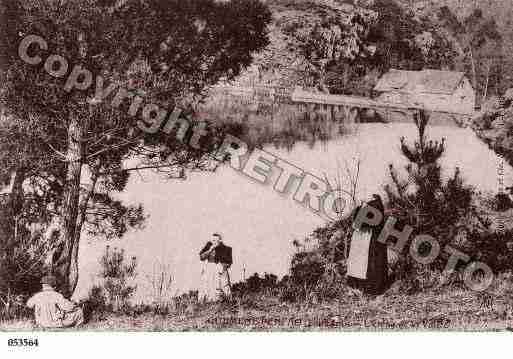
<point>283,63</point>
<point>499,10</point>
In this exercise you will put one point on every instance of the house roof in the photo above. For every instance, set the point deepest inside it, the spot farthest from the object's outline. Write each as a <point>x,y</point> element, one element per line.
<point>425,81</point>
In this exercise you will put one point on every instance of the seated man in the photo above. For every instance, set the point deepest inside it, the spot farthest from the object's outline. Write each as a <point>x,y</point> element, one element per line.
<point>51,309</point>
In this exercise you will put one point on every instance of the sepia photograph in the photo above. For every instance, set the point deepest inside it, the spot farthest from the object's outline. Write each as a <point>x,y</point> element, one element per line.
<point>283,166</point>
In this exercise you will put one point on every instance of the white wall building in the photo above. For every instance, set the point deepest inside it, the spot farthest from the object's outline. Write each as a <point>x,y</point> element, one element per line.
<point>435,90</point>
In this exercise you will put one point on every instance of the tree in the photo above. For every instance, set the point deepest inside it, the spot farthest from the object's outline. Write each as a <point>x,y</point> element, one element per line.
<point>406,41</point>
<point>494,126</point>
<point>331,39</point>
<point>347,51</point>
<point>170,51</point>
<point>479,47</point>
<point>424,200</point>
<point>118,273</point>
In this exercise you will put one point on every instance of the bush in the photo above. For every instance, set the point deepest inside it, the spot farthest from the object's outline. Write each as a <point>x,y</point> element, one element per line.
<point>162,282</point>
<point>95,304</point>
<point>424,201</point>
<point>117,274</point>
<point>22,264</point>
<point>493,248</point>
<point>255,285</point>
<point>503,202</point>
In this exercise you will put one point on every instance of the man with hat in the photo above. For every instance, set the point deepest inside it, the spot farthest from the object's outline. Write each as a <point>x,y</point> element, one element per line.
<point>215,275</point>
<point>51,309</point>
<point>223,258</point>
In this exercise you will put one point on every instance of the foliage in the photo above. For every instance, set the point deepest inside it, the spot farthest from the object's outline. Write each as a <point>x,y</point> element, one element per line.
<point>494,125</point>
<point>480,49</point>
<point>95,305</point>
<point>332,39</point>
<point>170,51</point>
<point>117,274</point>
<point>424,200</point>
<point>448,210</point>
<point>22,264</point>
<point>404,41</point>
<point>495,248</point>
<point>255,284</point>
<point>346,49</point>
<point>162,282</point>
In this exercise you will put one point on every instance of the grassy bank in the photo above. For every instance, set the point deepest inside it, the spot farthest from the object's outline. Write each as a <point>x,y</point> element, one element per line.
<point>446,310</point>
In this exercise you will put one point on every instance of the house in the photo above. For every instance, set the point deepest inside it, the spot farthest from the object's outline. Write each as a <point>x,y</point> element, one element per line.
<point>434,90</point>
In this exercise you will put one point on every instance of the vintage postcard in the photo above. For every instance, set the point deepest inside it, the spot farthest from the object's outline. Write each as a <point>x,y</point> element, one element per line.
<point>255,165</point>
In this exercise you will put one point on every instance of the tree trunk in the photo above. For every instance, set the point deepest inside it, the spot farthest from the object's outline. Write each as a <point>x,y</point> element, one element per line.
<point>78,230</point>
<point>474,71</point>
<point>16,196</point>
<point>15,206</point>
<point>66,265</point>
<point>485,95</point>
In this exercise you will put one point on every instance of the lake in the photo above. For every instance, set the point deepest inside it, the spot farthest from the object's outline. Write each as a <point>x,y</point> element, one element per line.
<point>256,221</point>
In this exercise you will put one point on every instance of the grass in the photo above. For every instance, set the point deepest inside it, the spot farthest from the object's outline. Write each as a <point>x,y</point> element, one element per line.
<point>456,310</point>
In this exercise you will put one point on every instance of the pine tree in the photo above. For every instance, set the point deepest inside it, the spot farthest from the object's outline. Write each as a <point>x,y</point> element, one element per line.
<point>171,51</point>
<point>424,200</point>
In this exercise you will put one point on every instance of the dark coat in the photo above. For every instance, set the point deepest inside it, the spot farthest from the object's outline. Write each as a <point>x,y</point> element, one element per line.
<point>377,268</point>
<point>219,254</point>
<point>205,253</point>
<point>223,254</point>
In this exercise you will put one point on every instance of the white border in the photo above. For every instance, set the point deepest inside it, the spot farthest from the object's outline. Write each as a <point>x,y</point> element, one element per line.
<point>211,345</point>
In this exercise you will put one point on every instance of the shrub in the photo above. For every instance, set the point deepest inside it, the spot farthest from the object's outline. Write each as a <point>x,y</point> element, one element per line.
<point>161,282</point>
<point>256,284</point>
<point>117,274</point>
<point>493,248</point>
<point>95,304</point>
<point>424,201</point>
<point>503,202</point>
<point>22,264</point>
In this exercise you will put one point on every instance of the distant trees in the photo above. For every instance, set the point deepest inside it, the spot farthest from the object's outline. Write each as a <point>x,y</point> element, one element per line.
<point>405,41</point>
<point>494,126</point>
<point>333,39</point>
<point>479,45</point>
<point>347,52</point>
<point>168,52</point>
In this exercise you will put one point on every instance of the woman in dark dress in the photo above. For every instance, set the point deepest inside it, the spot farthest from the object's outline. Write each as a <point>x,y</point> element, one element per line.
<point>371,255</point>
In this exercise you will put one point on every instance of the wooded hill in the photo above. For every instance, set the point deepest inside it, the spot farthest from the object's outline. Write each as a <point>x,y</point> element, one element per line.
<point>337,47</point>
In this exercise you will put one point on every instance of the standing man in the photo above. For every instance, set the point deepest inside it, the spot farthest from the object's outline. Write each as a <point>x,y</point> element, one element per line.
<point>51,309</point>
<point>223,259</point>
<point>209,274</point>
